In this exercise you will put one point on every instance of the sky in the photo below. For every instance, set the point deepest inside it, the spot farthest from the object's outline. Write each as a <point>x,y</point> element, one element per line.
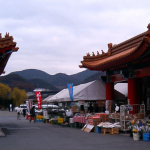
<point>54,35</point>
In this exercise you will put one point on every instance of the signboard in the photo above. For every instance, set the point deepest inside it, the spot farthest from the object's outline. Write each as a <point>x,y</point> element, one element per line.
<point>29,105</point>
<point>129,107</point>
<point>70,88</point>
<point>39,100</point>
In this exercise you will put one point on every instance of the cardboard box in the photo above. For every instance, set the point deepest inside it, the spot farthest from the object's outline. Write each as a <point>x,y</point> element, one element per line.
<point>140,116</point>
<point>96,121</point>
<point>105,118</point>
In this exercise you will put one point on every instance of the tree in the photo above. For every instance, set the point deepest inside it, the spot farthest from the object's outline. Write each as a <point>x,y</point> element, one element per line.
<point>4,93</point>
<point>18,96</point>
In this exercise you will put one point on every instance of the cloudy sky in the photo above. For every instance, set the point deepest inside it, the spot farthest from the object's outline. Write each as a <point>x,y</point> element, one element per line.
<point>54,35</point>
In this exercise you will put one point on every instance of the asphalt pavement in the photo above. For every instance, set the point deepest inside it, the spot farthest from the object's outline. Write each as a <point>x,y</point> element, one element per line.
<point>22,135</point>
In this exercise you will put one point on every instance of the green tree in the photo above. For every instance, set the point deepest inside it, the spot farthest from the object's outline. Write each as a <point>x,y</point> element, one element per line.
<point>4,91</point>
<point>4,94</point>
<point>18,96</point>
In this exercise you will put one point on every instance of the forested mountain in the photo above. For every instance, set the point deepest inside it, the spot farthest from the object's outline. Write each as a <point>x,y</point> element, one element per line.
<point>59,80</point>
<point>31,78</point>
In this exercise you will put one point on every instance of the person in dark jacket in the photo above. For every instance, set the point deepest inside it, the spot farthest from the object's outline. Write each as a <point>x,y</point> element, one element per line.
<point>24,112</point>
<point>90,108</point>
<point>32,114</point>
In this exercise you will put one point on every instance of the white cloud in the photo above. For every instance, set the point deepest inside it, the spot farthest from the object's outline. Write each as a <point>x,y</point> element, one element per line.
<point>55,35</point>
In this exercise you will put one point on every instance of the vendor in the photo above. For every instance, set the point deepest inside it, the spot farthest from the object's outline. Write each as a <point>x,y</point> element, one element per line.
<point>96,108</point>
<point>74,109</point>
<point>82,110</point>
<point>90,108</point>
<point>116,108</point>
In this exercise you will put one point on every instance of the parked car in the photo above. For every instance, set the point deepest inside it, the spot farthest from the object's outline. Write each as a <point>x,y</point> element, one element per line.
<point>16,109</point>
<point>22,106</point>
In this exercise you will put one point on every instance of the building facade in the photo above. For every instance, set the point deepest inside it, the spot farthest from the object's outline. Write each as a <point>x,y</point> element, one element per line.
<point>7,46</point>
<point>128,62</point>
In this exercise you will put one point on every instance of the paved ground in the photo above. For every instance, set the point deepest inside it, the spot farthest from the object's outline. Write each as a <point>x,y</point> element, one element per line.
<point>22,135</point>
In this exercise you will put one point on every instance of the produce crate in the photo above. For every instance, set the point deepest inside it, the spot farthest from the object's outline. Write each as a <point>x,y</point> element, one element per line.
<point>54,122</point>
<point>115,131</point>
<point>60,120</point>
<point>72,125</point>
<point>106,131</point>
<point>38,120</point>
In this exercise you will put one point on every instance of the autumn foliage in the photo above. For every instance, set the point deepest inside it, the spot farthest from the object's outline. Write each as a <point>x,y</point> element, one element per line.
<point>8,95</point>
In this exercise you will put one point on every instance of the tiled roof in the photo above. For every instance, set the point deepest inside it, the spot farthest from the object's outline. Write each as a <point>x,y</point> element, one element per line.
<point>7,46</point>
<point>120,54</point>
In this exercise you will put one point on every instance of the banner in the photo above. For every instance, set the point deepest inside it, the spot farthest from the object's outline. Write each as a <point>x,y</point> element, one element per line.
<point>70,88</point>
<point>39,100</point>
<point>29,105</point>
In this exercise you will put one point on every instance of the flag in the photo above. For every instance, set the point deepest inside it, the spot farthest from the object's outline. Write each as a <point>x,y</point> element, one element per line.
<point>39,100</point>
<point>70,88</point>
<point>29,105</point>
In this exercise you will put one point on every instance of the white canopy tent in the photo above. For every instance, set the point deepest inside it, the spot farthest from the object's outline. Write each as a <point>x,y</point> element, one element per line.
<point>94,90</point>
<point>122,88</point>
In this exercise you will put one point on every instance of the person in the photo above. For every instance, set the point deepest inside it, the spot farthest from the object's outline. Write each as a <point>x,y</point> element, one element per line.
<point>96,108</point>
<point>32,114</point>
<point>24,112</point>
<point>82,110</point>
<point>90,108</point>
<point>18,114</point>
<point>116,108</point>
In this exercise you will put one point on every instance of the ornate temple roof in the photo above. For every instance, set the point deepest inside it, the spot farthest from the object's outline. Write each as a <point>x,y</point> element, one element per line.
<point>119,55</point>
<point>7,46</point>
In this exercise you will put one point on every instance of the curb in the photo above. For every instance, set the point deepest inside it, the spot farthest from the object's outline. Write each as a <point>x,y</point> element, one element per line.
<point>1,132</point>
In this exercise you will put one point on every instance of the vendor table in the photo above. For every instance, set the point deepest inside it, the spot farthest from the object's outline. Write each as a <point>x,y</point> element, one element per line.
<point>80,119</point>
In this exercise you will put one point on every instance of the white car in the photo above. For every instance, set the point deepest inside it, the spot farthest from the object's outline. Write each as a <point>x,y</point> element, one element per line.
<point>16,109</point>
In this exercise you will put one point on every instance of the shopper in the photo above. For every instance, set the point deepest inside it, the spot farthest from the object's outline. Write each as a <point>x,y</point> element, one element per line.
<point>24,112</point>
<point>32,114</point>
<point>18,114</point>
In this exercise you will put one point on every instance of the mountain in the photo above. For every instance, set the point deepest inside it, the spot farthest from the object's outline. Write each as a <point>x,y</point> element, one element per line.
<point>31,78</point>
<point>14,80</point>
<point>59,80</point>
<point>94,77</point>
<point>81,76</point>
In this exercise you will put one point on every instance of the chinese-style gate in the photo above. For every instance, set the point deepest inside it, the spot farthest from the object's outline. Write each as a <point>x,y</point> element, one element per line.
<point>7,46</point>
<point>128,62</point>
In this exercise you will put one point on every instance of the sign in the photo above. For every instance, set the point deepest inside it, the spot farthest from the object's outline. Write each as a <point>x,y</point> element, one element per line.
<point>70,88</point>
<point>129,107</point>
<point>39,100</point>
<point>29,105</point>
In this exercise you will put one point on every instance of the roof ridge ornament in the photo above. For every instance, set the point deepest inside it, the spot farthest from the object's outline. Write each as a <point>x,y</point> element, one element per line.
<point>109,48</point>
<point>7,34</point>
<point>88,54</point>
<point>148,26</point>
<point>93,53</point>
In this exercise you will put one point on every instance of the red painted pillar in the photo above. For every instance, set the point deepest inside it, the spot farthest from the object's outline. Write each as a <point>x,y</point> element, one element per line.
<point>132,86</point>
<point>109,95</point>
<point>132,91</point>
<point>109,91</point>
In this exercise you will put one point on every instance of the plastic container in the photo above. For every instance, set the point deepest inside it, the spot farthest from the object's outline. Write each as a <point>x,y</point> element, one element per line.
<point>145,136</point>
<point>60,120</point>
<point>71,120</point>
<point>72,125</point>
<point>54,122</point>
<point>97,129</point>
<point>136,136</point>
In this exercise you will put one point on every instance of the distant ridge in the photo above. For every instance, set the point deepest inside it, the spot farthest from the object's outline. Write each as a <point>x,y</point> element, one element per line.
<point>58,80</point>
<point>32,78</point>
